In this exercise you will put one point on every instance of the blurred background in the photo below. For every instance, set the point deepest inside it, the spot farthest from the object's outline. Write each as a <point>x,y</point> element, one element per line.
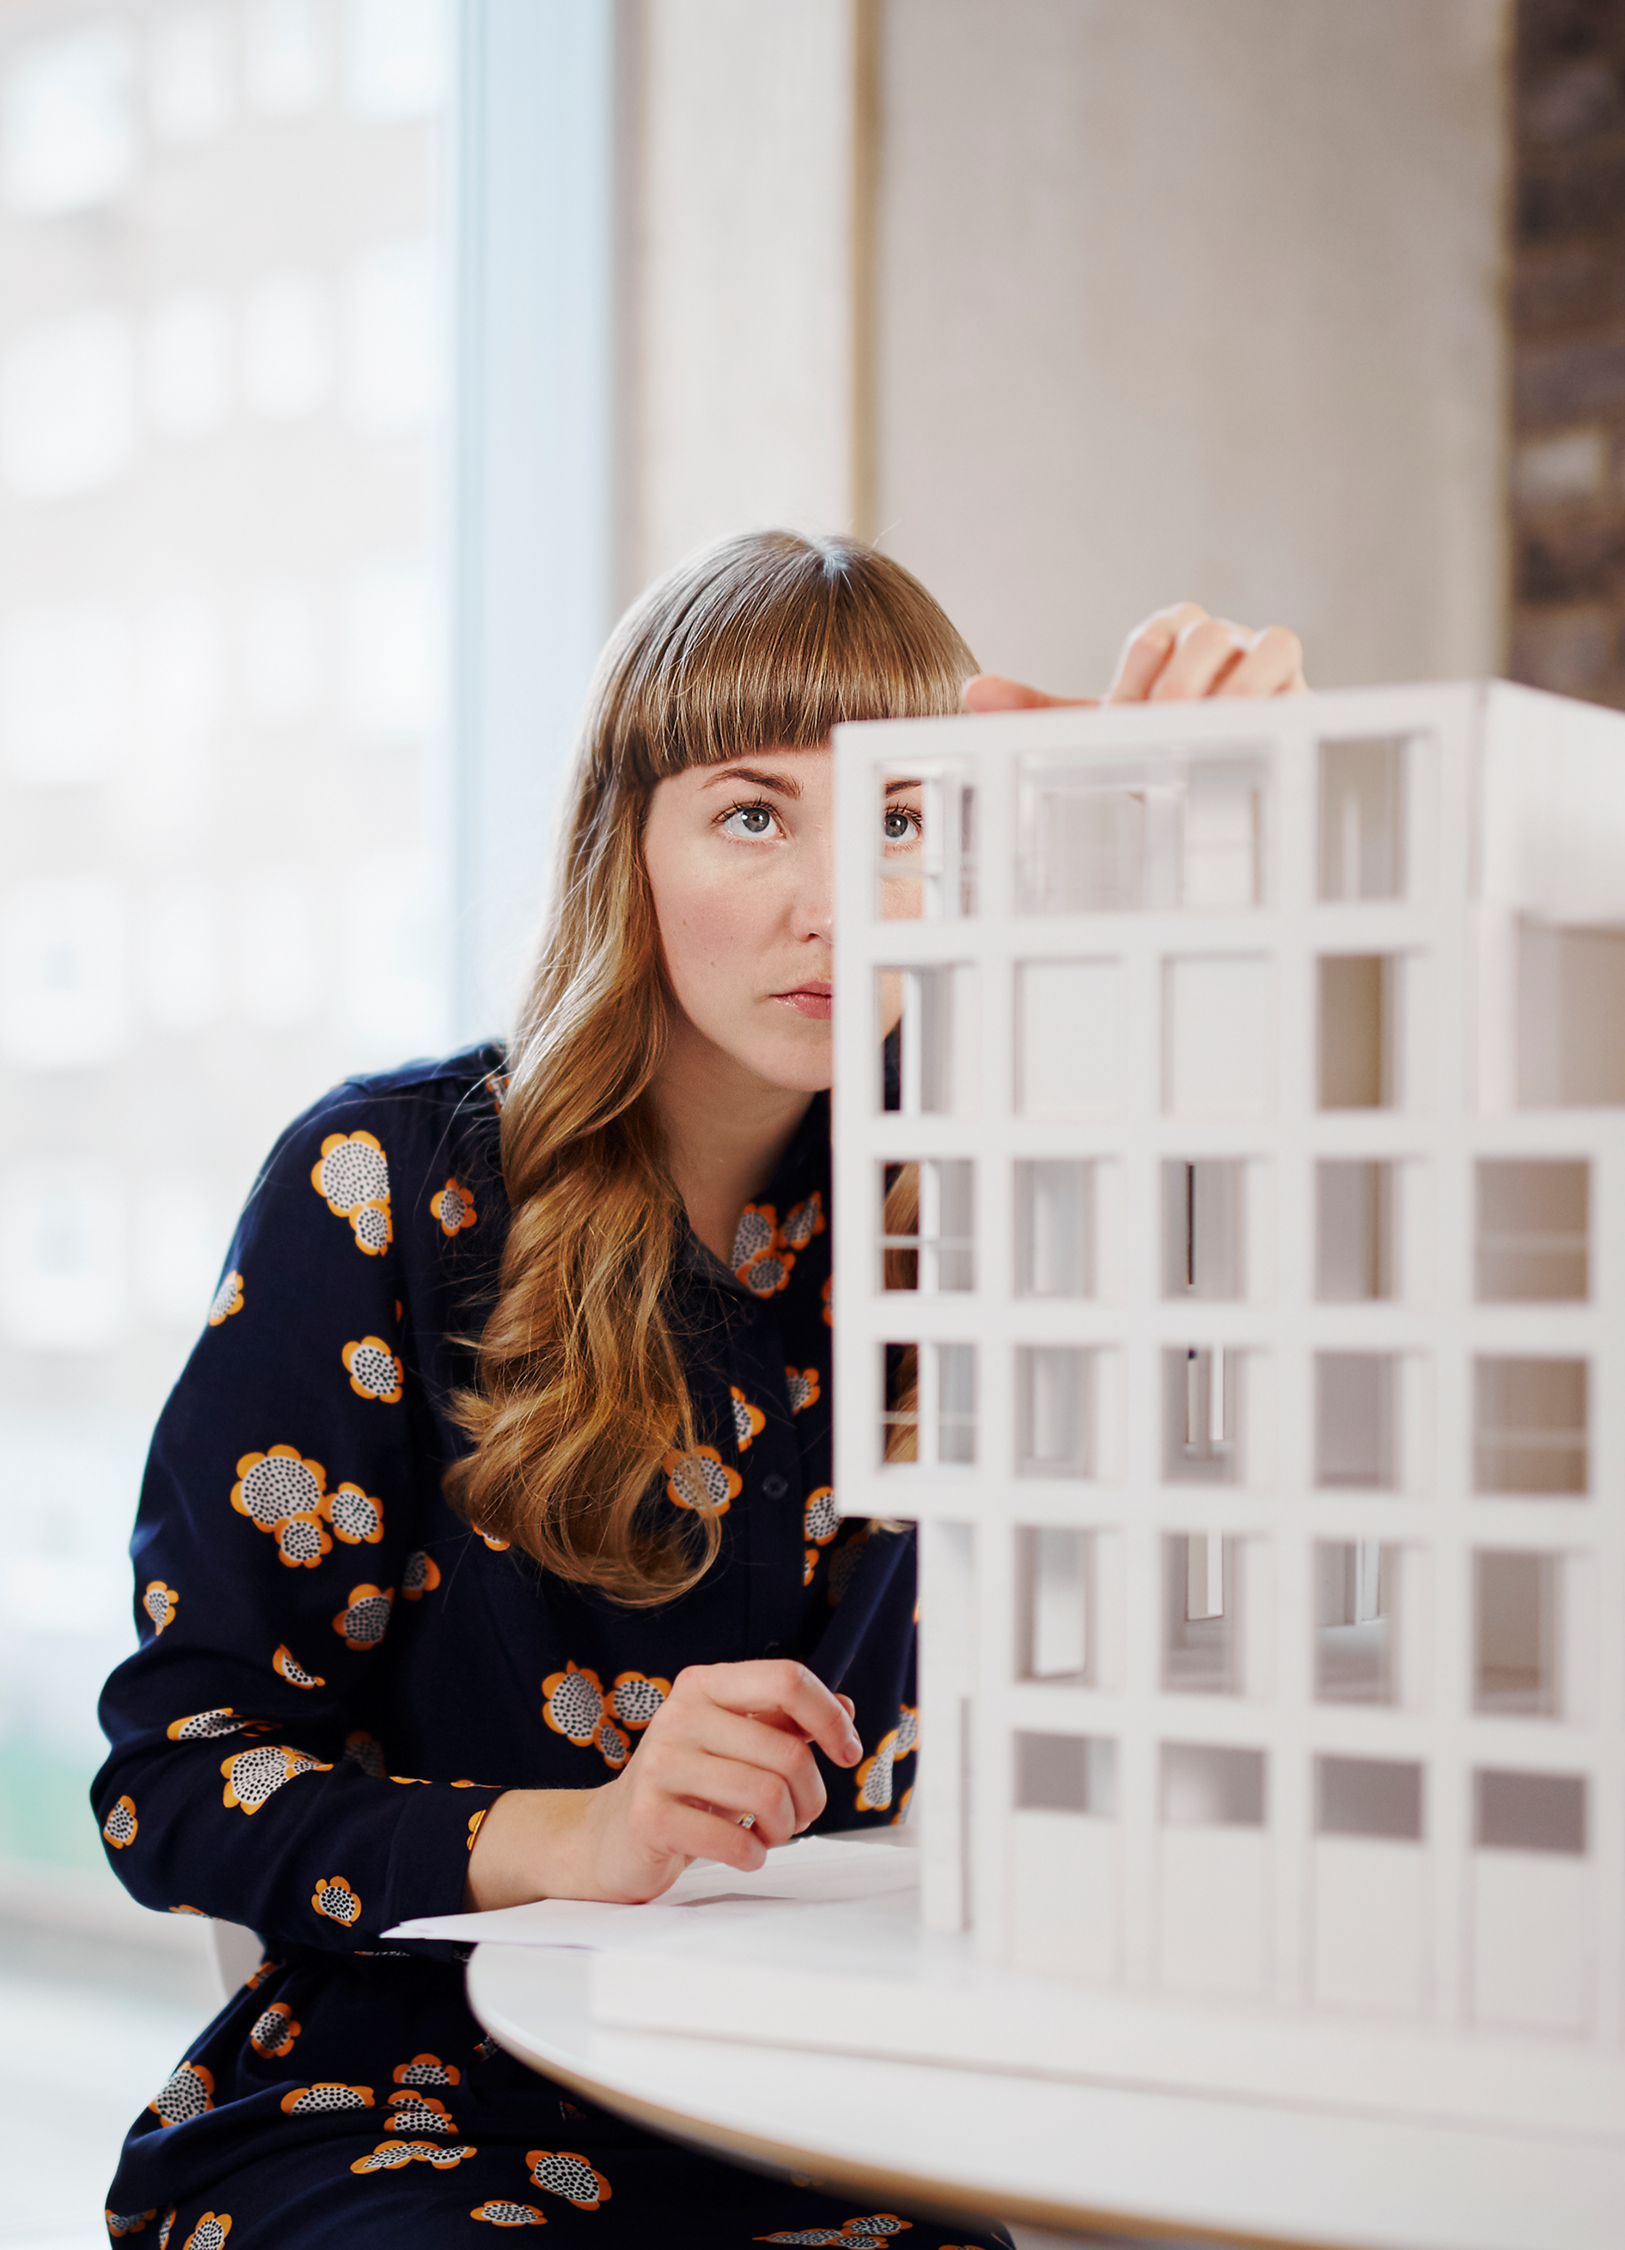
<point>359,359</point>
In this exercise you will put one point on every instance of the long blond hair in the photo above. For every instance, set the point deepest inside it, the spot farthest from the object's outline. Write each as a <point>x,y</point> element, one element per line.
<point>766,640</point>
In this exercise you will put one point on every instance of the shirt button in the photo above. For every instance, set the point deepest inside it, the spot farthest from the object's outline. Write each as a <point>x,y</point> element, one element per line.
<point>775,1486</point>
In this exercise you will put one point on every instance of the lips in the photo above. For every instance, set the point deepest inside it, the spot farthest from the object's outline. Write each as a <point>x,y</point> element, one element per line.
<point>810,1000</point>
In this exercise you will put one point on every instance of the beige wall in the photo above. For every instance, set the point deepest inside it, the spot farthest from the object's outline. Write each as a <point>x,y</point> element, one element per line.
<point>1173,297</point>
<point>1196,297</point>
<point>740,303</point>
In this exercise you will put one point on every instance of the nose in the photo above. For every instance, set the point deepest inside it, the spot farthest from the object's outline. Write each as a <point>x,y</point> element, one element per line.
<point>814,906</point>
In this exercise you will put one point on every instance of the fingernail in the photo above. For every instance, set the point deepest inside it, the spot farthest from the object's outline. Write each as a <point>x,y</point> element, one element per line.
<point>854,1746</point>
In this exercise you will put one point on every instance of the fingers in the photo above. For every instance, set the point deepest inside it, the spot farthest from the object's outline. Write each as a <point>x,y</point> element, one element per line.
<point>1273,666</point>
<point>694,1831</point>
<point>990,691</point>
<point>774,1686</point>
<point>1148,649</point>
<point>747,1794</point>
<point>755,1743</point>
<point>1205,653</point>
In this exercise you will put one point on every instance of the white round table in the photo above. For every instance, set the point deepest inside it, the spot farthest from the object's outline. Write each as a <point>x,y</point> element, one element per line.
<point>971,2144</point>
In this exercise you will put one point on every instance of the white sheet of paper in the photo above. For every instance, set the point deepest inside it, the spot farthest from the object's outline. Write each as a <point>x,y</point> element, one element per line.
<point>815,1871</point>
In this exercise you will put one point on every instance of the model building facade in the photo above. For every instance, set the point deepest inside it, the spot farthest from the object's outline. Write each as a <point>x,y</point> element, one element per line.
<point>1232,1285</point>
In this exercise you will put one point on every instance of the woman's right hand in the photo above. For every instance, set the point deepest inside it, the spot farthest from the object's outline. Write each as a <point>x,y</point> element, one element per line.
<point>731,1743</point>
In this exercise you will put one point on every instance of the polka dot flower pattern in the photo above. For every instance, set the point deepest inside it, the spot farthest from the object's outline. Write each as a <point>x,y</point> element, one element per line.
<point>701,1480</point>
<point>568,2175</point>
<point>453,1207</point>
<point>374,1371</point>
<point>352,1178</point>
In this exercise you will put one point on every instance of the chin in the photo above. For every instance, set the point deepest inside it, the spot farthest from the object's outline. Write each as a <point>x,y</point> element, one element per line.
<point>797,1066</point>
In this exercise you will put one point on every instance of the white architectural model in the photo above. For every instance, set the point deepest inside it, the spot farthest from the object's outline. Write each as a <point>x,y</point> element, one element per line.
<point>1264,1069</point>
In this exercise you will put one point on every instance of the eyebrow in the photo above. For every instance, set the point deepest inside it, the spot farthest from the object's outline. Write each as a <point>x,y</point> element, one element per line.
<point>782,783</point>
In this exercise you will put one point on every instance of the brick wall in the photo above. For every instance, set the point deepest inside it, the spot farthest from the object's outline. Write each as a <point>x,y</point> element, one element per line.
<point>1568,314</point>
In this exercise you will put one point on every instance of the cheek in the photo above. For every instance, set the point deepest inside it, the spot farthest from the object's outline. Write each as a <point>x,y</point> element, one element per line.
<point>710,929</point>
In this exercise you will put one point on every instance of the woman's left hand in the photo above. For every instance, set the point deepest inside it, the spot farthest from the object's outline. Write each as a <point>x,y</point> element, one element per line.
<point>1178,655</point>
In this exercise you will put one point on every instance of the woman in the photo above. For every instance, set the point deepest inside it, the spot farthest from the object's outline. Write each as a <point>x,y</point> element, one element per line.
<point>505,1454</point>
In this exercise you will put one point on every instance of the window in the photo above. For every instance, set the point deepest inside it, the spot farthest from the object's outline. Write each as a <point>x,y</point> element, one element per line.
<point>221,723</point>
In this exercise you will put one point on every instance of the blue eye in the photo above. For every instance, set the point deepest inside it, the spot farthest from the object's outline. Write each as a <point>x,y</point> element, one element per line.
<point>757,820</point>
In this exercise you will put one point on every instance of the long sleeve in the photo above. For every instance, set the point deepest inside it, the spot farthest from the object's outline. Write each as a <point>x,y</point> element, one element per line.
<point>280,1557</point>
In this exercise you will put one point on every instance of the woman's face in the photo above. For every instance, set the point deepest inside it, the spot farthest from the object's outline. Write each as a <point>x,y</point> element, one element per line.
<point>741,862</point>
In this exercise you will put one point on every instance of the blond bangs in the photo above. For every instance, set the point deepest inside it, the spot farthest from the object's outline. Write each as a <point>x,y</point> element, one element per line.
<point>770,641</point>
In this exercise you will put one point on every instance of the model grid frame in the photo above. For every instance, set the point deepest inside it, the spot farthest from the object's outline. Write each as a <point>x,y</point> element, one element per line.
<point>1255,1370</point>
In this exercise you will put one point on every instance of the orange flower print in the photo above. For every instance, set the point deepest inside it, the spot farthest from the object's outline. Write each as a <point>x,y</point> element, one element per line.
<point>185,2094</point>
<point>573,1704</point>
<point>166,2229</point>
<point>334,1898</point>
<point>325,2098</point>
<point>767,1275</point>
<point>197,1910</point>
<point>391,2156</point>
<point>120,1825</point>
<point>821,1522</point>
<point>759,1257</point>
<point>453,1207</point>
<point>635,1698</point>
<point>356,1519</point>
<point>426,2070</point>
<point>614,1743</point>
<point>265,1969</point>
<point>364,1619</point>
<point>498,2213</point>
<point>370,1224</point>
<point>701,1480</point>
<point>757,1231</point>
<point>497,1546</point>
<point>228,1299</point>
<point>352,1178</point>
<point>120,2224</point>
<point>273,2033</point>
<point>206,1726</point>
<point>301,1542</point>
<point>210,2231</point>
<point>254,1775</point>
<point>802,1385</point>
<point>496,1085</point>
<point>367,1752</point>
<point>272,1487</point>
<point>374,1371</point>
<point>827,1294</point>
<point>420,1575</point>
<point>474,1820</point>
<point>569,2176</point>
<point>412,2112</point>
<point>749,1421</point>
<point>288,1667</point>
<point>856,2234</point>
<point>806,1220</point>
<point>874,1777</point>
<point>160,1603</point>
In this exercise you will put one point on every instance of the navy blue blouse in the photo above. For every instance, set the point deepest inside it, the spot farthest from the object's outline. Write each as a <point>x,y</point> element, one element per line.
<point>336,1677</point>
